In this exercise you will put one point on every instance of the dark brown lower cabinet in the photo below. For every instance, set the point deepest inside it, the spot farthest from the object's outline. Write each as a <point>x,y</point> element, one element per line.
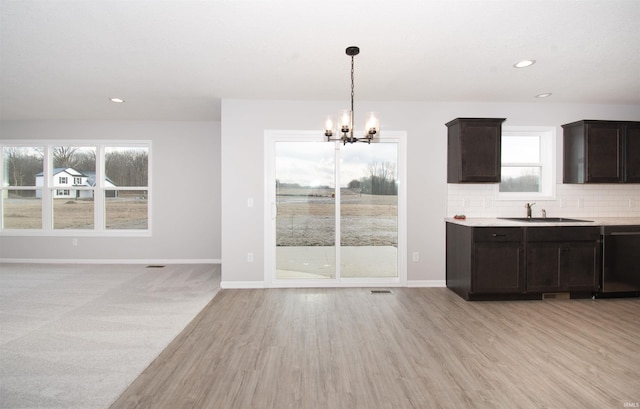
<point>498,261</point>
<point>561,259</point>
<point>485,262</point>
<point>553,267</point>
<point>521,262</point>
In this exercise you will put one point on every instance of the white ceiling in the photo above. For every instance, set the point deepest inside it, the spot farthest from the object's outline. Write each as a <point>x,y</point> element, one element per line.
<point>176,60</point>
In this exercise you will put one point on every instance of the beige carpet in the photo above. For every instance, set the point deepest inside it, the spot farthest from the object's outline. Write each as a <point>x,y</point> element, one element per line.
<point>75,336</point>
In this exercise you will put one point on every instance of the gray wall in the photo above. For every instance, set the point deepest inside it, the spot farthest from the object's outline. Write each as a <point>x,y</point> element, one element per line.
<point>186,193</point>
<point>243,125</point>
<point>223,165</point>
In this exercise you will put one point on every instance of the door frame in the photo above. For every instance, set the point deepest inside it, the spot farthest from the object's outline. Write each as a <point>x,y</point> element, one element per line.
<point>270,210</point>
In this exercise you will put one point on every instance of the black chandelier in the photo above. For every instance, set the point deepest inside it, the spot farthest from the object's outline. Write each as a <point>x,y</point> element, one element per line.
<point>372,124</point>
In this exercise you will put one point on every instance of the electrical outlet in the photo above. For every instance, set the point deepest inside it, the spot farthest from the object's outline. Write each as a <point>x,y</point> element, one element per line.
<point>416,256</point>
<point>74,241</point>
<point>250,202</point>
<point>249,257</point>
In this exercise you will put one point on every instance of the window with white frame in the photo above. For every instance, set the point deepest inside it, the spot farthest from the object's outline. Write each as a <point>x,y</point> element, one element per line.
<point>528,169</point>
<point>110,192</point>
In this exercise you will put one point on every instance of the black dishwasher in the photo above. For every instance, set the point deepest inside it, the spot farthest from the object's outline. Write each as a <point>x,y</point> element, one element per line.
<point>621,260</point>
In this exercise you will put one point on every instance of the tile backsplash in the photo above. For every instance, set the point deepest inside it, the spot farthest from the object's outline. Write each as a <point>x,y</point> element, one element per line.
<point>602,200</point>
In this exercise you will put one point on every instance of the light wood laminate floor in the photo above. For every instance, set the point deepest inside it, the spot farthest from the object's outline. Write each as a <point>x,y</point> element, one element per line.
<point>414,348</point>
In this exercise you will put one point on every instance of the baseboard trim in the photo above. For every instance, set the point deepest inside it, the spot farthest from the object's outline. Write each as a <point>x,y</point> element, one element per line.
<point>108,261</point>
<point>241,284</point>
<point>426,283</point>
<point>262,284</point>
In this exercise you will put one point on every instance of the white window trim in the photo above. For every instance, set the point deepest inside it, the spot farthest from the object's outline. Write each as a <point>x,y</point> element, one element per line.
<point>49,188</point>
<point>547,160</point>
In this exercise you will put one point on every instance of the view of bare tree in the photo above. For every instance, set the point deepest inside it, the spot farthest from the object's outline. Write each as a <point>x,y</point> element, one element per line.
<point>22,165</point>
<point>527,181</point>
<point>125,167</point>
<point>381,179</point>
<point>128,167</point>
<point>64,157</point>
<point>85,160</point>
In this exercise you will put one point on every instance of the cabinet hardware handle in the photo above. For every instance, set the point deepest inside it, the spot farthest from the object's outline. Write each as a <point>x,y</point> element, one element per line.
<point>498,235</point>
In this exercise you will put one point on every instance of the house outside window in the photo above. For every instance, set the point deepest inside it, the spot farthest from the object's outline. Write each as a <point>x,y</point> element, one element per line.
<point>528,167</point>
<point>110,192</point>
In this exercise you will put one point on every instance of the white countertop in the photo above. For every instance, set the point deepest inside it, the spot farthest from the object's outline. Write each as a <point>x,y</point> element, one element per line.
<point>498,222</point>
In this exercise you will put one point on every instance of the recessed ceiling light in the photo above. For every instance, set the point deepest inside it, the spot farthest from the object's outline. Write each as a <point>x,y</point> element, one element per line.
<point>524,63</point>
<point>118,100</point>
<point>544,95</point>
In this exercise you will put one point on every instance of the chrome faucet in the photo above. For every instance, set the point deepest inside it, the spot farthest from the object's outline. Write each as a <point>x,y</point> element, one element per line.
<point>528,207</point>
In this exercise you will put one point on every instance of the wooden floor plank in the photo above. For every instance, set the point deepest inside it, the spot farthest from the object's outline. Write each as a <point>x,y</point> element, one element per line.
<point>414,348</point>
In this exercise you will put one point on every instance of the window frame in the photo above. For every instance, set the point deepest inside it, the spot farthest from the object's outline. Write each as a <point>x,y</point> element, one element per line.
<point>49,188</point>
<point>547,135</point>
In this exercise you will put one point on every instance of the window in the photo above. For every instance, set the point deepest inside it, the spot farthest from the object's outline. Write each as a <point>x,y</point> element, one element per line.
<point>126,199</point>
<point>528,169</point>
<point>110,192</point>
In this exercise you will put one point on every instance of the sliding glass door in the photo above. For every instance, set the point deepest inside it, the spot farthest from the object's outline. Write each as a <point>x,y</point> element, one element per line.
<point>334,213</point>
<point>369,210</point>
<point>306,210</point>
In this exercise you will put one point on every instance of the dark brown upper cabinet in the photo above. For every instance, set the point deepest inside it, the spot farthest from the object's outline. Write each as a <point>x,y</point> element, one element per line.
<point>473,154</point>
<point>632,152</point>
<point>601,152</point>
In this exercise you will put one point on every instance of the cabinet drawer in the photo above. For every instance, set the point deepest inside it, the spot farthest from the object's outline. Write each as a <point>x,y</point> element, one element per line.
<point>565,233</point>
<point>498,234</point>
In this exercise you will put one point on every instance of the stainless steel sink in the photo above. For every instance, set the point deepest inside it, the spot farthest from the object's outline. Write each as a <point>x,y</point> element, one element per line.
<point>545,219</point>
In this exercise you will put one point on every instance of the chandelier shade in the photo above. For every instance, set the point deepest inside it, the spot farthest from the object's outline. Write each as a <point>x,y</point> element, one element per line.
<point>344,126</point>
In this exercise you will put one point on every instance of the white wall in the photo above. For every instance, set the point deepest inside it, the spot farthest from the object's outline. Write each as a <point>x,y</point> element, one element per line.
<point>186,194</point>
<point>571,200</point>
<point>243,126</point>
<point>220,226</point>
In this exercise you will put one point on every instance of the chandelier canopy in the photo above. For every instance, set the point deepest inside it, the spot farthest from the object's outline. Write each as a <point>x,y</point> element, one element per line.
<point>345,124</point>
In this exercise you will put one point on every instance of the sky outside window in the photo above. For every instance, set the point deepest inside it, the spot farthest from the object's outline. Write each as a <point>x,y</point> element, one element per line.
<point>299,163</point>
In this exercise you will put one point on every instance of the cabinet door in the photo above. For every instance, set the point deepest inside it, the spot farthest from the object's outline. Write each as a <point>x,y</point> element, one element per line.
<point>543,267</point>
<point>621,260</point>
<point>632,153</point>
<point>474,150</point>
<point>562,266</point>
<point>579,266</point>
<point>498,267</point>
<point>480,157</point>
<point>603,152</point>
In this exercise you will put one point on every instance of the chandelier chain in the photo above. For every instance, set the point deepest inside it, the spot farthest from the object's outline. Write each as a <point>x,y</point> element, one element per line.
<point>352,94</point>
